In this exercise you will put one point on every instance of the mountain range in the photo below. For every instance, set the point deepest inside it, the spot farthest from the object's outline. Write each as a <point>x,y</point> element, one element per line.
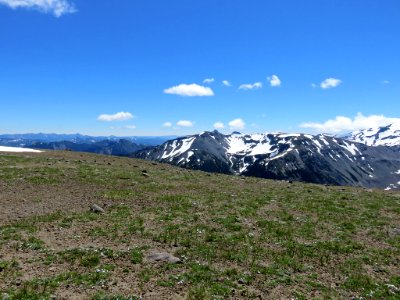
<point>299,157</point>
<point>120,147</point>
<point>109,145</point>
<point>368,158</point>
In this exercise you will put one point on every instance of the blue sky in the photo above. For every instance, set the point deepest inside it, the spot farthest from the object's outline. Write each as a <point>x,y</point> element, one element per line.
<point>121,67</point>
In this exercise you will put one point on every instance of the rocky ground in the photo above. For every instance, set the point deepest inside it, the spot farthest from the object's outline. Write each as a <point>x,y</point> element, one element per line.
<point>159,232</point>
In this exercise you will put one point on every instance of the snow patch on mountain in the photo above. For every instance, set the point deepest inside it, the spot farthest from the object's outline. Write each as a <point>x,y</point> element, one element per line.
<point>178,147</point>
<point>351,148</point>
<point>378,136</point>
<point>248,144</point>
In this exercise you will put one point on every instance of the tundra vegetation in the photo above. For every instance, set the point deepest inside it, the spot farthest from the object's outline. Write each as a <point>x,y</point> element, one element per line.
<point>236,237</point>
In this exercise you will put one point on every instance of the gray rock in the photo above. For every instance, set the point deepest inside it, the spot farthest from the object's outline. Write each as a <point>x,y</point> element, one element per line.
<point>395,231</point>
<point>163,257</point>
<point>97,209</point>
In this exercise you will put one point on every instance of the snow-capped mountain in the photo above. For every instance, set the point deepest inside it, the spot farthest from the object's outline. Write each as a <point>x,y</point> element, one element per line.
<point>378,136</point>
<point>301,157</point>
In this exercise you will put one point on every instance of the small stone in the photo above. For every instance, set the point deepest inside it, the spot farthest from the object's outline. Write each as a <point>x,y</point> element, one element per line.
<point>163,257</point>
<point>396,231</point>
<point>145,175</point>
<point>97,209</point>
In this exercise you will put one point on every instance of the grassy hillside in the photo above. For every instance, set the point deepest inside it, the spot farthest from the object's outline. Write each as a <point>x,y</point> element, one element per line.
<point>238,238</point>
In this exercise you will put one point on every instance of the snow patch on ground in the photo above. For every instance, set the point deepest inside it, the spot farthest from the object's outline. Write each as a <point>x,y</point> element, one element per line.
<point>17,149</point>
<point>392,186</point>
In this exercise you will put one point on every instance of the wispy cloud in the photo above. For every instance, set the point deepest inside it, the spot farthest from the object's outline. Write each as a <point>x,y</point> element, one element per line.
<point>189,90</point>
<point>208,80</point>
<point>55,7</point>
<point>121,116</point>
<point>226,83</point>
<point>342,124</point>
<point>237,124</point>
<point>131,126</point>
<point>185,123</point>
<point>330,83</point>
<point>251,86</point>
<point>274,81</point>
<point>385,82</point>
<point>219,125</point>
<point>167,124</point>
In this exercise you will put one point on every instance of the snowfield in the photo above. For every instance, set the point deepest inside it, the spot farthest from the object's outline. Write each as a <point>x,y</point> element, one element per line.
<point>378,136</point>
<point>17,149</point>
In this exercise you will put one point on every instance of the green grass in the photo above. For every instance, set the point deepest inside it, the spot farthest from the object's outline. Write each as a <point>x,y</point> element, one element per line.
<point>136,256</point>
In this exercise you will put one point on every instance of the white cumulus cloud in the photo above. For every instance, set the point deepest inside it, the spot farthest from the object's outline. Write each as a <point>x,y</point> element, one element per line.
<point>56,7</point>
<point>184,123</point>
<point>121,116</point>
<point>344,124</point>
<point>219,125</point>
<point>330,83</point>
<point>208,80</point>
<point>274,81</point>
<point>189,90</point>
<point>226,83</point>
<point>251,86</point>
<point>167,124</point>
<point>237,124</point>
